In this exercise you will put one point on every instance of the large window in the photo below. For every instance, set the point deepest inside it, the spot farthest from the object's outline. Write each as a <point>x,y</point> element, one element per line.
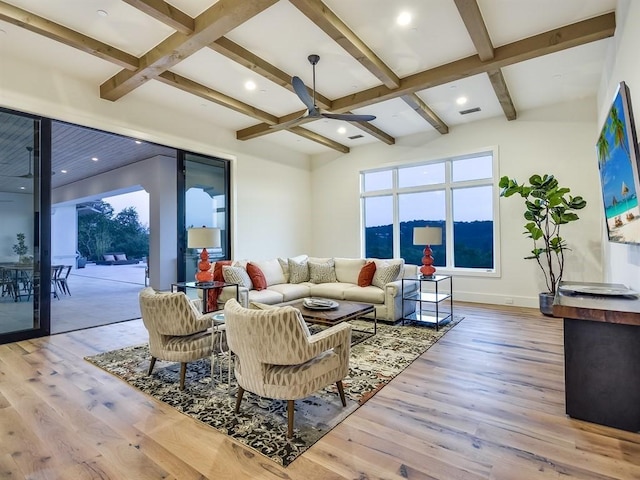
<point>456,194</point>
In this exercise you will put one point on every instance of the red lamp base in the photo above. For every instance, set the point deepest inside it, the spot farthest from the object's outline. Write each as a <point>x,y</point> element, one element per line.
<point>427,269</point>
<point>204,275</point>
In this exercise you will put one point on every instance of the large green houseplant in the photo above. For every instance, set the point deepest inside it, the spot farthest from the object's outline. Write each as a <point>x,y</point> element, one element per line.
<point>547,207</point>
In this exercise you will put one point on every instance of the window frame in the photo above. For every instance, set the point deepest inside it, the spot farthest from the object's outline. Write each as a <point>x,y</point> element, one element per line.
<point>448,187</point>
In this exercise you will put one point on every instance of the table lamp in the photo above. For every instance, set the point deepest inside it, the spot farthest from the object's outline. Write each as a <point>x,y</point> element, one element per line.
<point>203,237</point>
<point>427,236</point>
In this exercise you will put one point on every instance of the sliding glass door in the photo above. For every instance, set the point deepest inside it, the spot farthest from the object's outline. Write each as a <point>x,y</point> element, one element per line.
<point>24,149</point>
<point>203,199</point>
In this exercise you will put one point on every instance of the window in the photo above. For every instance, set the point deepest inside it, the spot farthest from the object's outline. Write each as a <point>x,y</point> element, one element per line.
<point>457,194</point>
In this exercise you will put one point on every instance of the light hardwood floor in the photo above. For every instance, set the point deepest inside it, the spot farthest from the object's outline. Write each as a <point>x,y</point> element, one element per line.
<point>486,402</point>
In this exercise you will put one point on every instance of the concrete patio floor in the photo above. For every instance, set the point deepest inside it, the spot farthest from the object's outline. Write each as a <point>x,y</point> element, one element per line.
<point>100,294</point>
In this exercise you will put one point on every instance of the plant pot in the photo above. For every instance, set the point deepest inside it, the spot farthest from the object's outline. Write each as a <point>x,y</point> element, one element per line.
<point>546,303</point>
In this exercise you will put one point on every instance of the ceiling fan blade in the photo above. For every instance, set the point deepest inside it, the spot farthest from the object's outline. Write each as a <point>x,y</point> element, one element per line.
<point>302,92</point>
<point>349,117</point>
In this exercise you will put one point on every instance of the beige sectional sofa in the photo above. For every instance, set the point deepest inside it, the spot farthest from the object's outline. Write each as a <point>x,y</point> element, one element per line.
<point>335,278</point>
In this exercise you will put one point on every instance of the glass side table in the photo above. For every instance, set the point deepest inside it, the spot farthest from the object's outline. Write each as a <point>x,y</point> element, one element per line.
<point>430,298</point>
<point>205,288</point>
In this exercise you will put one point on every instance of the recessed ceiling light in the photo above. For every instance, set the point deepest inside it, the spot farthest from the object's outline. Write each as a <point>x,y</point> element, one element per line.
<point>461,100</point>
<point>21,188</point>
<point>95,159</point>
<point>63,171</point>
<point>138,142</point>
<point>250,85</point>
<point>403,19</point>
<point>103,13</point>
<point>342,130</point>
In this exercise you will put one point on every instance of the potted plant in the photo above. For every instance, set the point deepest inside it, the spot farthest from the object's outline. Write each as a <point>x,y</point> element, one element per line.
<point>21,249</point>
<point>547,207</point>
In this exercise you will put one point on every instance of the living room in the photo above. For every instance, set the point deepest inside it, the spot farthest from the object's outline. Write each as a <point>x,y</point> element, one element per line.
<point>287,202</point>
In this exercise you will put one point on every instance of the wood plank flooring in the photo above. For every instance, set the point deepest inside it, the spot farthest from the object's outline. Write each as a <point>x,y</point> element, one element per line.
<point>486,402</point>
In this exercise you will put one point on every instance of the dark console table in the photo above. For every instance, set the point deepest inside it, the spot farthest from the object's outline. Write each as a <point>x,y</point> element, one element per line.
<point>602,355</point>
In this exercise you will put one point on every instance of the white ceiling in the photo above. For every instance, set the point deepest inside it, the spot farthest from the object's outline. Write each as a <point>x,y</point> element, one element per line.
<point>283,36</point>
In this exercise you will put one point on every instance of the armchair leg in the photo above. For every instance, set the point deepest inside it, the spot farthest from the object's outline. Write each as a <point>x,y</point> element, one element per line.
<point>290,410</point>
<point>151,365</point>
<point>183,372</point>
<point>239,398</point>
<point>341,392</point>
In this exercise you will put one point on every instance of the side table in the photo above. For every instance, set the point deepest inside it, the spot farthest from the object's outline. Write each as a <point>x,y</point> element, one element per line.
<point>429,303</point>
<point>205,288</point>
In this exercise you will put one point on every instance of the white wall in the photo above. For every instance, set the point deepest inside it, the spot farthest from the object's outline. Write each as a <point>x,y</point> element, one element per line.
<point>64,235</point>
<point>558,140</point>
<point>622,262</point>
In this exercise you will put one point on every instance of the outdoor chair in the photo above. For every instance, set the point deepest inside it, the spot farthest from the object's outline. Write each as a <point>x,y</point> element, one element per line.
<point>276,357</point>
<point>62,283</point>
<point>178,332</point>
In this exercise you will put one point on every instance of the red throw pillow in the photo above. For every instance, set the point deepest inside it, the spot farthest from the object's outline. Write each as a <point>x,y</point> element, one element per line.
<point>366,274</point>
<point>217,270</point>
<point>256,276</point>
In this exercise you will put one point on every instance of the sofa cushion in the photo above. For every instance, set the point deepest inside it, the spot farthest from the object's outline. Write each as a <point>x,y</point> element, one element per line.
<point>365,277</point>
<point>292,291</point>
<point>322,272</point>
<point>298,271</point>
<point>109,258</point>
<point>369,294</point>
<point>120,257</point>
<point>265,296</point>
<point>386,271</point>
<point>257,277</point>
<point>237,275</point>
<point>348,269</point>
<point>329,290</point>
<point>272,271</point>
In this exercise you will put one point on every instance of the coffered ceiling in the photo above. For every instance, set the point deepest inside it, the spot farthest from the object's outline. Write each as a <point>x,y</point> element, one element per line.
<point>196,56</point>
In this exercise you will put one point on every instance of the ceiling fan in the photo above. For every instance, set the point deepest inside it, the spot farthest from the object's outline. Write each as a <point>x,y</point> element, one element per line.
<point>310,102</point>
<point>26,175</point>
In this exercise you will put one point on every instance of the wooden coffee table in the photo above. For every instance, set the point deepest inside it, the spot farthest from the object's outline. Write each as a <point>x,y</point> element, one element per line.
<point>346,311</point>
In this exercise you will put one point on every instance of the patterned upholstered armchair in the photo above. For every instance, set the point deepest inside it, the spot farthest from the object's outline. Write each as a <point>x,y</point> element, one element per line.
<point>276,357</point>
<point>178,332</point>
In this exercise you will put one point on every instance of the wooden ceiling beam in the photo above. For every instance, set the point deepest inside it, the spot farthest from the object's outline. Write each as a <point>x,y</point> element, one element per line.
<point>562,38</point>
<point>189,86</point>
<point>329,22</point>
<point>42,26</point>
<point>165,13</point>
<point>425,112</point>
<point>244,57</point>
<point>315,137</point>
<point>502,92</point>
<point>213,23</point>
<point>472,18</point>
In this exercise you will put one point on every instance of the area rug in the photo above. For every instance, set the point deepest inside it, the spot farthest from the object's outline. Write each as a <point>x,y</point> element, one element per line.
<point>262,423</point>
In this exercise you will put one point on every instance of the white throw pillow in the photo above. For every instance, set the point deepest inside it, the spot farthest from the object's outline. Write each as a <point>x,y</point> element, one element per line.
<point>322,272</point>
<point>271,270</point>
<point>237,275</point>
<point>386,273</point>
<point>298,271</point>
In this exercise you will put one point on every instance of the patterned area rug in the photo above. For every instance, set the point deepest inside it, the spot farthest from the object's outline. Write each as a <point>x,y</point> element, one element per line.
<point>262,423</point>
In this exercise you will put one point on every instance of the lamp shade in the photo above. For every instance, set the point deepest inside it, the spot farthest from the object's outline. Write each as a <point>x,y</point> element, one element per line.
<point>427,236</point>
<point>203,237</point>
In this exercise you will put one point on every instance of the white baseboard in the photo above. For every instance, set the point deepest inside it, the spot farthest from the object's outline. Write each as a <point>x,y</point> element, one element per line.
<point>496,299</point>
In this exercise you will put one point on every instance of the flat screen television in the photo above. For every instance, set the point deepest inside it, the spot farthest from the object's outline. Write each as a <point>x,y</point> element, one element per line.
<point>618,156</point>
